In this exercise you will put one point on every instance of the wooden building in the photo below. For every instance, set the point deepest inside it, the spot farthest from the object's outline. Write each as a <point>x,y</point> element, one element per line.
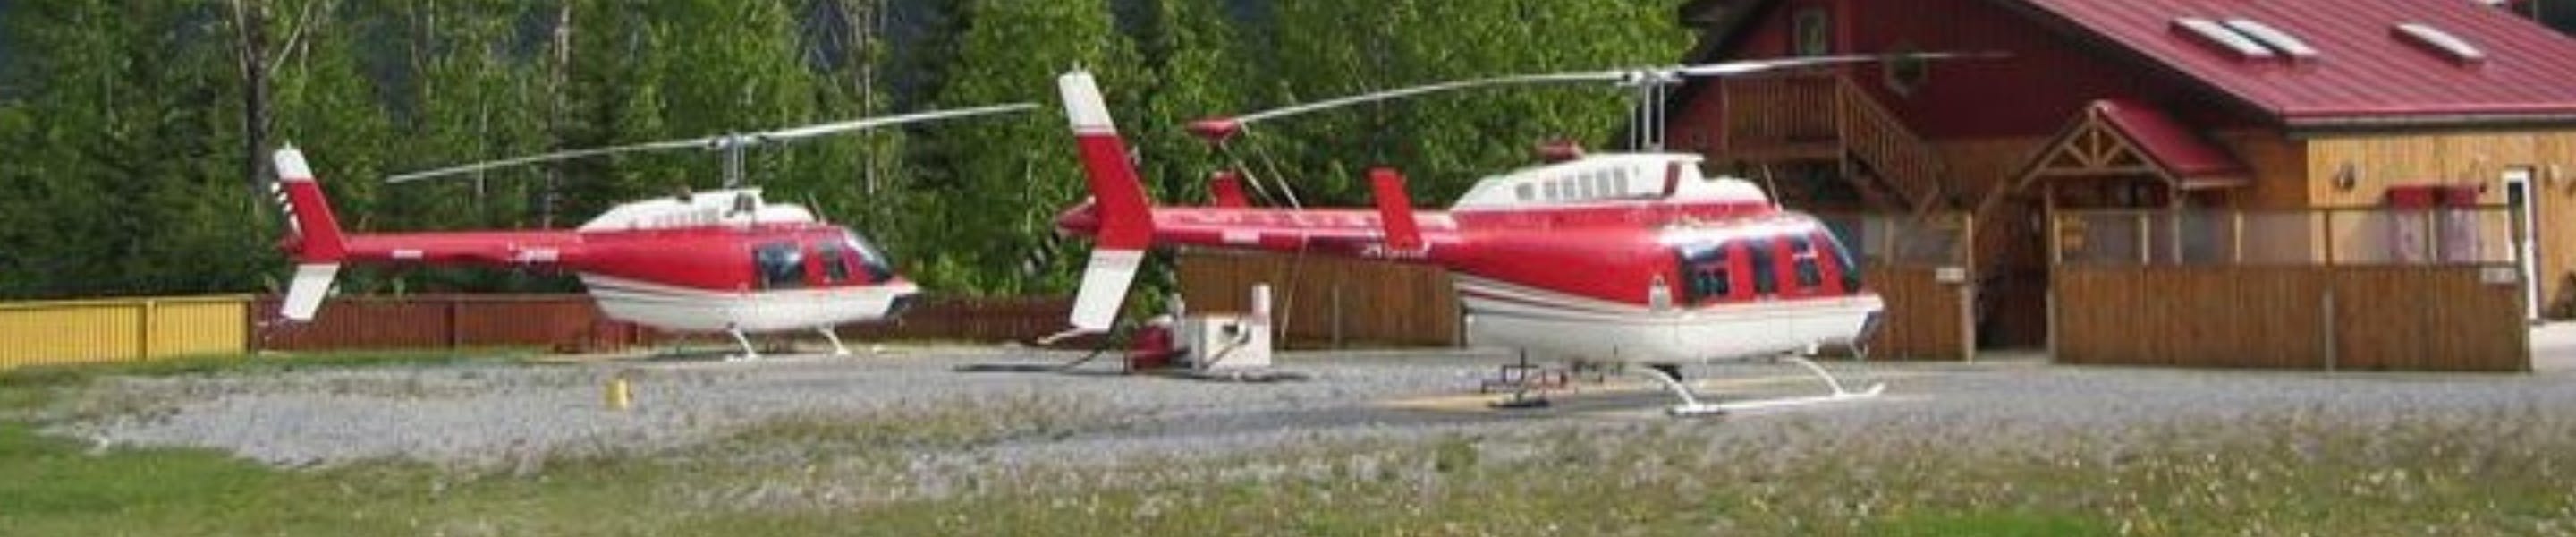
<point>2176,105</point>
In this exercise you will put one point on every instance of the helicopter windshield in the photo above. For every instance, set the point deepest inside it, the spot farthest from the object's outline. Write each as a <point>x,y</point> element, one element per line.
<point>870,259</point>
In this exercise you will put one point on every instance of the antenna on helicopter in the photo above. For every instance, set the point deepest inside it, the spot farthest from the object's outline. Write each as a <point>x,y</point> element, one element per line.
<point>731,144</point>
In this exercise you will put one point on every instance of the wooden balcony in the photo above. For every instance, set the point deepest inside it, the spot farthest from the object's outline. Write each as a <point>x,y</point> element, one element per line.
<point>1824,117</point>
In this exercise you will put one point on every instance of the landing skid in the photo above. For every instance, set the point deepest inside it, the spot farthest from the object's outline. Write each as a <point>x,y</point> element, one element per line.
<point>748,353</point>
<point>1693,406</point>
<point>837,348</point>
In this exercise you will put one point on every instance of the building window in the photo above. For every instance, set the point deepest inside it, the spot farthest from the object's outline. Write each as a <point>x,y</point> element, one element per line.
<point>1814,31</point>
<point>1906,72</point>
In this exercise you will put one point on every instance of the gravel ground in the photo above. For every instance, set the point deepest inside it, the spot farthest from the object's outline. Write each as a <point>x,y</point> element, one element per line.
<point>503,415</point>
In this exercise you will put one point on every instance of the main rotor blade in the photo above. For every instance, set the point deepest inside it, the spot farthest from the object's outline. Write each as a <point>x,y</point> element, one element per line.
<point>719,142</point>
<point>550,157</point>
<point>1220,128</point>
<point>809,131</point>
<point>1746,67</point>
<point>1274,113</point>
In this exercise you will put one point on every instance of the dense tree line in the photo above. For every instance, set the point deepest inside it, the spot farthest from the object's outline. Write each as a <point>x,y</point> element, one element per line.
<point>136,133</point>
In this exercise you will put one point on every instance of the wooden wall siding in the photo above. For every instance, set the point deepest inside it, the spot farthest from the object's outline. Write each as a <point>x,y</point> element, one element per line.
<point>2382,318</point>
<point>1978,166</point>
<point>2280,170</point>
<point>2378,161</point>
<point>1924,319</point>
<point>1328,302</point>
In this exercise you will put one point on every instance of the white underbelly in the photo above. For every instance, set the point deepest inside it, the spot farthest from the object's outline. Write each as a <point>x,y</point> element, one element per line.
<point>694,310</point>
<point>1550,326</point>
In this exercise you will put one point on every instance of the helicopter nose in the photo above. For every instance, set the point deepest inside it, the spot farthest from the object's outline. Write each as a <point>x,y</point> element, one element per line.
<point>905,300</point>
<point>901,303</point>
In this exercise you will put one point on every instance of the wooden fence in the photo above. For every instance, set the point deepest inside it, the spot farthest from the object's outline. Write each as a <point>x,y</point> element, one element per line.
<point>106,330</point>
<point>1329,302</point>
<point>558,322</point>
<point>573,323</point>
<point>2414,318</point>
<point>60,332</point>
<point>1926,318</point>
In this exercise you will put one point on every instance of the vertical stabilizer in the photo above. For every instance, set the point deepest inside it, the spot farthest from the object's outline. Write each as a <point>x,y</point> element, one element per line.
<point>317,243</point>
<point>317,236</point>
<point>1126,217</point>
<point>1395,210</point>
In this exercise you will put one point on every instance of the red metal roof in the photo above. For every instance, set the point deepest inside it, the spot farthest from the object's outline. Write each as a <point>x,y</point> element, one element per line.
<point>2172,146</point>
<point>2365,74</point>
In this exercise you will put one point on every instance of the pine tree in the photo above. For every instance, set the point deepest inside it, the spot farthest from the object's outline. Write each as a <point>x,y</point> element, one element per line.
<point>1016,172</point>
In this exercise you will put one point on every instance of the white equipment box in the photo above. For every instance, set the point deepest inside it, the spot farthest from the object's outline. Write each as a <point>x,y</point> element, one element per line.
<point>1220,342</point>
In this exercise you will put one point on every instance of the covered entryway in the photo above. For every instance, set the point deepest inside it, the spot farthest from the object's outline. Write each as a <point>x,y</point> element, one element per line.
<point>2115,154</point>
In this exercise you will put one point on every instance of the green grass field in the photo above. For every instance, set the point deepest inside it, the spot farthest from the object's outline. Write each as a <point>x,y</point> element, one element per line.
<point>2494,473</point>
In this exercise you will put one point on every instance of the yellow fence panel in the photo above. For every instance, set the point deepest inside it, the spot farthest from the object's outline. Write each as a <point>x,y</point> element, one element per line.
<point>78,331</point>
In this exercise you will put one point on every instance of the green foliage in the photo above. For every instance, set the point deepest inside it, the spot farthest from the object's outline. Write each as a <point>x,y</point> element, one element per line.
<point>2478,473</point>
<point>1004,179</point>
<point>127,120</point>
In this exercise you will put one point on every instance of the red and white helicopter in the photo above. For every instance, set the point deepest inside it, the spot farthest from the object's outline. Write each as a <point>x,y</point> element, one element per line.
<point>1631,258</point>
<point>712,261</point>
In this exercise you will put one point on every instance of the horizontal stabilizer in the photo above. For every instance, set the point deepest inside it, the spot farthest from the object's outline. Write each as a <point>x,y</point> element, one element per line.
<point>1104,288</point>
<point>304,295</point>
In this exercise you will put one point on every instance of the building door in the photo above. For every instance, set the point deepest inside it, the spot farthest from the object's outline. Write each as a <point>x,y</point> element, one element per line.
<point>2526,251</point>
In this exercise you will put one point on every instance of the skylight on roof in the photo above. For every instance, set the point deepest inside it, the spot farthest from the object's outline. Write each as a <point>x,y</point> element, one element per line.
<point>2440,42</point>
<point>2216,35</point>
<point>2274,37</point>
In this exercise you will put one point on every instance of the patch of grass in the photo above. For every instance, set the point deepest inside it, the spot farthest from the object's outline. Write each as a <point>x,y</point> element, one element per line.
<point>942,425</point>
<point>32,387</point>
<point>2487,472</point>
<point>74,374</point>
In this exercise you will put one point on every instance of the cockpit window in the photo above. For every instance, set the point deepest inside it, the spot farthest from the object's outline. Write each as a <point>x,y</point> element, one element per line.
<point>1843,262</point>
<point>781,265</point>
<point>874,262</point>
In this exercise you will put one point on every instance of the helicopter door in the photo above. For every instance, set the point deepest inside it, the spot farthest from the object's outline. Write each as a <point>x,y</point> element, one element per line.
<point>836,261</point>
<point>1764,262</point>
<point>779,265</point>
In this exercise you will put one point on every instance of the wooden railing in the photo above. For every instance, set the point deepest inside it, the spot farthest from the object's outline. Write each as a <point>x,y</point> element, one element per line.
<point>1766,115</point>
<point>1825,116</point>
<point>1901,159</point>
